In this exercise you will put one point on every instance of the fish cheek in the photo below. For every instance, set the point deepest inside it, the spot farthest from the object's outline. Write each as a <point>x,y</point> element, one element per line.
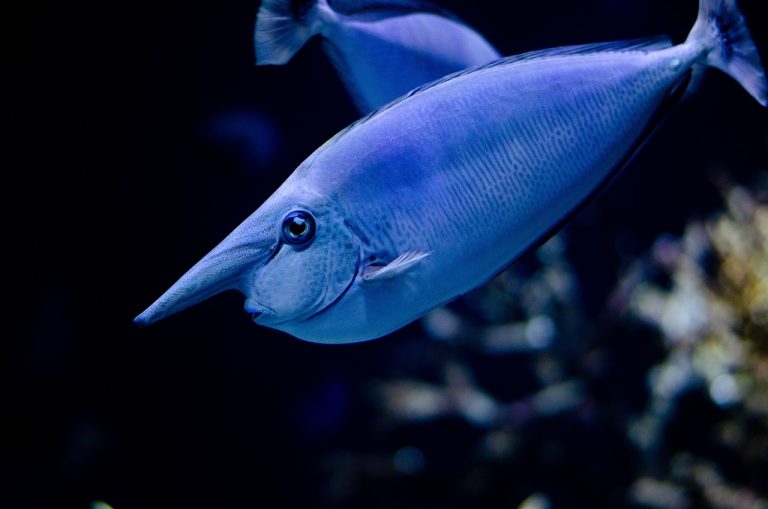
<point>293,282</point>
<point>343,263</point>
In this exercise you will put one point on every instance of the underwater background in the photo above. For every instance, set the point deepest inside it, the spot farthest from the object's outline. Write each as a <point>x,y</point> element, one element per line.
<point>624,364</point>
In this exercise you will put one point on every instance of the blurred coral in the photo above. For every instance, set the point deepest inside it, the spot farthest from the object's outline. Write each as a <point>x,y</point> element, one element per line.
<point>713,320</point>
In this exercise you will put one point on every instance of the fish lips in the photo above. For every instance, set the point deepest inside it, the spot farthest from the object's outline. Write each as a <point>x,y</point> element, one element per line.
<point>259,312</point>
<point>266,316</point>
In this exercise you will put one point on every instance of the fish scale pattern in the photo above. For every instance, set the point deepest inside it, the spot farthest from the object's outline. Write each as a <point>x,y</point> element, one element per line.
<point>513,174</point>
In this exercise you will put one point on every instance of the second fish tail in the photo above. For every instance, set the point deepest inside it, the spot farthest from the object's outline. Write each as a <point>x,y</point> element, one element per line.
<point>284,26</point>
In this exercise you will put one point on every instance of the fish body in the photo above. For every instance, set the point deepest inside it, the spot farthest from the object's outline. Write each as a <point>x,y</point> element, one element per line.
<point>434,194</point>
<point>381,49</point>
<point>520,148</point>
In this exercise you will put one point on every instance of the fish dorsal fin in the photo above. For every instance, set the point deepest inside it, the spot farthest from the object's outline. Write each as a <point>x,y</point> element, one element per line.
<point>399,265</point>
<point>642,44</point>
<point>645,44</point>
<point>351,7</point>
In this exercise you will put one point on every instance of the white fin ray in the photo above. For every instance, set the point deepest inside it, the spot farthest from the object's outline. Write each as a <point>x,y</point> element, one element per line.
<point>398,266</point>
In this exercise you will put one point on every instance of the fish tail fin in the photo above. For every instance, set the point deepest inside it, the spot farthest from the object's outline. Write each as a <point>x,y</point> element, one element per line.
<point>284,26</point>
<point>722,31</point>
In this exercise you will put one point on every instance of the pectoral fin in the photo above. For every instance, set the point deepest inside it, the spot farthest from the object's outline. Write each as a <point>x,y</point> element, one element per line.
<point>399,265</point>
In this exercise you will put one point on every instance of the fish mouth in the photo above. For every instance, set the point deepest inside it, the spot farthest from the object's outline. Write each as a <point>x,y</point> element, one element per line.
<point>269,318</point>
<point>266,316</point>
<point>259,312</point>
<point>263,318</point>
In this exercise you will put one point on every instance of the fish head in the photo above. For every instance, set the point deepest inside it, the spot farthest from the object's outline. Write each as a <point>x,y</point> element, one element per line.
<point>313,264</point>
<point>292,258</point>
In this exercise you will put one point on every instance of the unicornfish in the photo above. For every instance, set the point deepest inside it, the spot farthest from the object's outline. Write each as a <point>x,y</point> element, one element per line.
<point>381,49</point>
<point>434,194</point>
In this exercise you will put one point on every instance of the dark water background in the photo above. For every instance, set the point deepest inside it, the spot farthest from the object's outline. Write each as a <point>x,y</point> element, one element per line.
<point>140,134</point>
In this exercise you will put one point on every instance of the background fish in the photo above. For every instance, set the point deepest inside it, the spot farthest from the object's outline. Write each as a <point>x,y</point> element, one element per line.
<point>380,48</point>
<point>434,194</point>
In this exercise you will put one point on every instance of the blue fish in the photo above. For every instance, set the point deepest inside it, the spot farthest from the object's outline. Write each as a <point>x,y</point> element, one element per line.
<point>437,192</point>
<point>382,49</point>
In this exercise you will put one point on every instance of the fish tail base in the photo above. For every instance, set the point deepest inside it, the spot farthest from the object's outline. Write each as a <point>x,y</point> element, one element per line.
<point>722,31</point>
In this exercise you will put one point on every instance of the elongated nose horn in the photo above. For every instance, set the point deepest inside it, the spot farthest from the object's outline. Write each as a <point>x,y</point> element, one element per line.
<point>222,269</point>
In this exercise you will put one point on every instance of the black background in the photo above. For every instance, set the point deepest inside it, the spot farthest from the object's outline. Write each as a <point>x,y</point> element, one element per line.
<point>116,182</point>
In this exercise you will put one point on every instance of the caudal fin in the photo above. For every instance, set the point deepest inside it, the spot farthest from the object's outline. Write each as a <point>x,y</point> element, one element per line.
<point>283,27</point>
<point>721,29</point>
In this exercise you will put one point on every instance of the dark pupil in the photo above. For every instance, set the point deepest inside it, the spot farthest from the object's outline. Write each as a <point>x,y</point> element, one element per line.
<point>298,227</point>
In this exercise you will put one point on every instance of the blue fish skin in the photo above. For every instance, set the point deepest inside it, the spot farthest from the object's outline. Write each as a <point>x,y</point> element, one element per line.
<point>437,192</point>
<point>381,50</point>
<point>476,170</point>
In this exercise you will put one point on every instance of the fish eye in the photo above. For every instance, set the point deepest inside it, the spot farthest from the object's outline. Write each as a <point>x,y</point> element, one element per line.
<point>298,228</point>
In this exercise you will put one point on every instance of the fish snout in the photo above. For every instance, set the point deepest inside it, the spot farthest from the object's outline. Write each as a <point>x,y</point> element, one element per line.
<point>224,268</point>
